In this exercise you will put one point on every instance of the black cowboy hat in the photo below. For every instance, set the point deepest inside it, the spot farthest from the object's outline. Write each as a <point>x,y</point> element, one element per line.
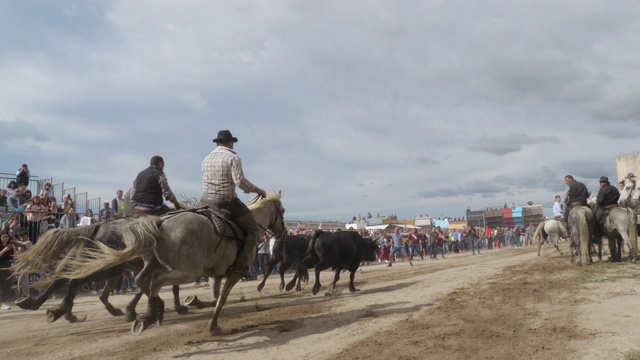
<point>604,179</point>
<point>225,136</point>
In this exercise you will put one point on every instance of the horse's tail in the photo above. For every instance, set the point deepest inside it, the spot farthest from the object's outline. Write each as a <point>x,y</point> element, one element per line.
<point>310,256</point>
<point>51,247</point>
<point>139,237</point>
<point>539,235</point>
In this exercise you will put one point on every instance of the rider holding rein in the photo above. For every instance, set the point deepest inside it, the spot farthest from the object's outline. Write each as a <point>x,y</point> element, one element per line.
<point>577,195</point>
<point>607,195</point>
<point>149,188</point>
<point>221,174</point>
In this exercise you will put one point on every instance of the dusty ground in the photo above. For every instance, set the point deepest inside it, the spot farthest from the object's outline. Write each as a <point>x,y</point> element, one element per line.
<point>503,304</point>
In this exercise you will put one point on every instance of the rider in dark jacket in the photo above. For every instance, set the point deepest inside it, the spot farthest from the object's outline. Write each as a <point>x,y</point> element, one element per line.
<point>577,195</point>
<point>608,195</point>
<point>150,187</point>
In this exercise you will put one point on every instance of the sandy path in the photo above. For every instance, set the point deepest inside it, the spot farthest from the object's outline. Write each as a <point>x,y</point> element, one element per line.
<point>505,303</point>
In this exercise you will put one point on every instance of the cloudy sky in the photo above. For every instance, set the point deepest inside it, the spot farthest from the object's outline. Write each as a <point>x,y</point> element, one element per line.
<point>348,107</point>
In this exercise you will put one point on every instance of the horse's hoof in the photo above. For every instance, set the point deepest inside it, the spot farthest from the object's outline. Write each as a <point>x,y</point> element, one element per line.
<point>260,287</point>
<point>74,319</point>
<point>315,290</point>
<point>130,316</point>
<point>138,327</point>
<point>281,287</point>
<point>191,300</point>
<point>52,316</point>
<point>289,287</point>
<point>181,310</point>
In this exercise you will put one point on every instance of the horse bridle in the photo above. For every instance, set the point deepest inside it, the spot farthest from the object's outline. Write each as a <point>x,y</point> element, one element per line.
<point>281,217</point>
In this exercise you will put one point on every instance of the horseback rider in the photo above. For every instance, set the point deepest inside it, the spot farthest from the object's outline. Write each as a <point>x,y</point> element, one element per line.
<point>607,195</point>
<point>149,188</point>
<point>221,173</point>
<point>576,196</point>
<point>558,212</point>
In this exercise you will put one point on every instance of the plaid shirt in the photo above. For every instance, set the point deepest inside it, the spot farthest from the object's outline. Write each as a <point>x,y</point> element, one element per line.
<point>221,173</point>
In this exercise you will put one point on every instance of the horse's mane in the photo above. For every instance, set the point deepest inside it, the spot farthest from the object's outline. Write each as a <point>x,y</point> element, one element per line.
<point>259,202</point>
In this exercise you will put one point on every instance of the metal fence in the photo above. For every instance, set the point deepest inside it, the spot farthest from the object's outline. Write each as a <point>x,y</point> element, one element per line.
<point>81,200</point>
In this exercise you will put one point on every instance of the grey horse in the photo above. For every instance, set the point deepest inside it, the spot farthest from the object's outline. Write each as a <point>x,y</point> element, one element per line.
<point>582,225</point>
<point>175,250</point>
<point>619,226</point>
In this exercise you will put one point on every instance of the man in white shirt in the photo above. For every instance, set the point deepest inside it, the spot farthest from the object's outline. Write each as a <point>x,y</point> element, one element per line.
<point>558,212</point>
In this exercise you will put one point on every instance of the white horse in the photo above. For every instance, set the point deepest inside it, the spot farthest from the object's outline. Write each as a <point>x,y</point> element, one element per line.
<point>630,195</point>
<point>550,228</point>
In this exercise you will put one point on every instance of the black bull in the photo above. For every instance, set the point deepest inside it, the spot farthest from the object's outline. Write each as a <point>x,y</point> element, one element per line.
<point>341,250</point>
<point>290,251</point>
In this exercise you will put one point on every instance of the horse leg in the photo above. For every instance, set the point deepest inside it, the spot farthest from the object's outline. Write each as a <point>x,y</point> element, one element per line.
<point>66,306</point>
<point>104,296</point>
<point>176,301</point>
<point>131,307</point>
<point>193,300</point>
<point>556,243</point>
<point>292,283</point>
<point>28,303</point>
<point>226,290</point>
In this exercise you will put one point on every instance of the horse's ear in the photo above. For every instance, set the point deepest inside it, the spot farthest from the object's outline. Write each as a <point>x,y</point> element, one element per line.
<point>279,193</point>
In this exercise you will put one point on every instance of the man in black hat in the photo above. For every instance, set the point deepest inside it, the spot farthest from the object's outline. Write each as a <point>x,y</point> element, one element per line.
<point>607,195</point>
<point>149,188</point>
<point>221,174</point>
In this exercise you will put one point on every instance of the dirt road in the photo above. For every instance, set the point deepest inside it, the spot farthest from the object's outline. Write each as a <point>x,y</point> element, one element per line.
<point>503,304</point>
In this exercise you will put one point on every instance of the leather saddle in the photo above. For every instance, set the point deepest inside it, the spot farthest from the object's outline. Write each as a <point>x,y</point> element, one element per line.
<point>220,218</point>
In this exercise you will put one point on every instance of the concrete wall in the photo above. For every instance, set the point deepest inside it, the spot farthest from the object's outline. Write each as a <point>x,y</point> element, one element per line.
<point>627,163</point>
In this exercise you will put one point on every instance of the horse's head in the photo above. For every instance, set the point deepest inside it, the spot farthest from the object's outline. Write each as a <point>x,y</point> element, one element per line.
<point>272,213</point>
<point>592,202</point>
<point>629,193</point>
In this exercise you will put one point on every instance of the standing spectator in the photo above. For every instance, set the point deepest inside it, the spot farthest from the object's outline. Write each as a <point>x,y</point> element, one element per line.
<point>472,234</point>
<point>22,245</point>
<point>11,187</point>
<point>384,250</point>
<point>398,245</point>
<point>34,212</point>
<point>87,219</point>
<point>414,240</point>
<point>53,216</point>
<point>69,220</point>
<point>47,191</point>
<point>263,253</point>
<point>105,212</point>
<point>116,205</point>
<point>22,176</point>
<point>530,230</point>
<point>7,249</point>
<point>67,202</point>
<point>3,205</point>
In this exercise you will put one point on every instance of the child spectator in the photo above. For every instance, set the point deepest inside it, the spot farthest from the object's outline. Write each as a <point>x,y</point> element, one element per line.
<point>34,211</point>
<point>11,187</point>
<point>47,192</point>
<point>87,219</point>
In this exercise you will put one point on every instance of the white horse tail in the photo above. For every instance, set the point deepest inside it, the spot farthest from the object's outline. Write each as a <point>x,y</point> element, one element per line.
<point>540,235</point>
<point>139,237</point>
<point>52,246</point>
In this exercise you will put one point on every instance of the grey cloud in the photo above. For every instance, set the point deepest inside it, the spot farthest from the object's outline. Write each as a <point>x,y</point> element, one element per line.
<point>506,144</point>
<point>18,130</point>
